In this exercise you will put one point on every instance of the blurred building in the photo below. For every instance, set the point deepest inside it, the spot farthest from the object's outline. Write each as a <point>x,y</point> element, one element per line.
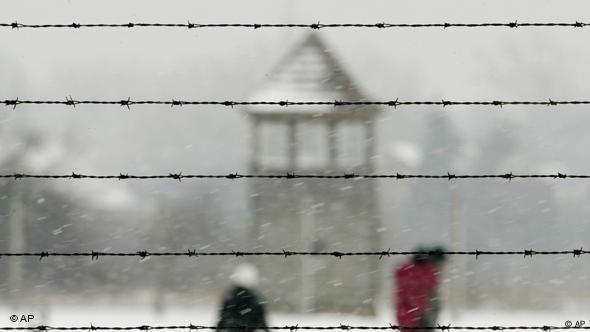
<point>314,214</point>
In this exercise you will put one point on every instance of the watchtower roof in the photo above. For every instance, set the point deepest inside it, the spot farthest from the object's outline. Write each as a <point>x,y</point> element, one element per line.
<point>309,73</point>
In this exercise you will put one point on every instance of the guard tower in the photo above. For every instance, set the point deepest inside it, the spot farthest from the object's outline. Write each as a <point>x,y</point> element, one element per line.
<point>312,214</point>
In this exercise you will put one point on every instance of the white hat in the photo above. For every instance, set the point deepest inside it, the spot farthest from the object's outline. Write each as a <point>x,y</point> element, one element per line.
<point>245,275</point>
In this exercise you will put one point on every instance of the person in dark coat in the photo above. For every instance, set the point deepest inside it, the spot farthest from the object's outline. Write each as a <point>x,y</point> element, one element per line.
<point>242,306</point>
<point>416,292</point>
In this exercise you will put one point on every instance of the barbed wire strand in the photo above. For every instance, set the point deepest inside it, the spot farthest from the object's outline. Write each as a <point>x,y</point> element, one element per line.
<point>95,255</point>
<point>69,101</point>
<point>314,26</point>
<point>350,176</point>
<point>291,328</point>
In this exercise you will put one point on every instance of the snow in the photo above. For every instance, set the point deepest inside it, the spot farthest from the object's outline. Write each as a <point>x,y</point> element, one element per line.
<point>407,152</point>
<point>143,314</point>
<point>42,158</point>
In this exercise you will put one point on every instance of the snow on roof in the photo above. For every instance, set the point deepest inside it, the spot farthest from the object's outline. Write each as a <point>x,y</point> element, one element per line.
<point>308,73</point>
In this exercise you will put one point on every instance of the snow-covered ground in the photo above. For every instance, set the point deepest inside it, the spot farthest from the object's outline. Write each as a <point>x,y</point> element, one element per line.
<point>135,315</point>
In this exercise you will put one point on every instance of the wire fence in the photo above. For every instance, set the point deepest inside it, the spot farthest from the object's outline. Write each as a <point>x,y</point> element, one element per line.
<point>291,328</point>
<point>69,101</point>
<point>350,176</point>
<point>313,26</point>
<point>95,255</point>
<point>144,254</point>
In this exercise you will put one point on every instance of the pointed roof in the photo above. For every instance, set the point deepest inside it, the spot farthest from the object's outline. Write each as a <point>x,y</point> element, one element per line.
<point>308,73</point>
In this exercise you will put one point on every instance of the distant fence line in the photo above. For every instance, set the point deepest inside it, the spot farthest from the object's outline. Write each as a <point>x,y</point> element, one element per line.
<point>69,101</point>
<point>286,253</point>
<point>313,26</point>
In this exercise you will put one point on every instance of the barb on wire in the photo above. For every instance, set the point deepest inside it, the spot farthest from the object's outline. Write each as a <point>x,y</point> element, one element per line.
<point>69,101</point>
<point>314,26</point>
<point>290,328</point>
<point>143,254</point>
<point>290,176</point>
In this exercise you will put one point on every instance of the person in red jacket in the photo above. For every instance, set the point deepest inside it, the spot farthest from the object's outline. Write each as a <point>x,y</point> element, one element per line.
<point>416,292</point>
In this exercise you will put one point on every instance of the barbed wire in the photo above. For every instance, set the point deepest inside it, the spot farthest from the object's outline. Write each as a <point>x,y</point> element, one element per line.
<point>314,26</point>
<point>350,176</point>
<point>69,101</point>
<point>95,255</point>
<point>291,328</point>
